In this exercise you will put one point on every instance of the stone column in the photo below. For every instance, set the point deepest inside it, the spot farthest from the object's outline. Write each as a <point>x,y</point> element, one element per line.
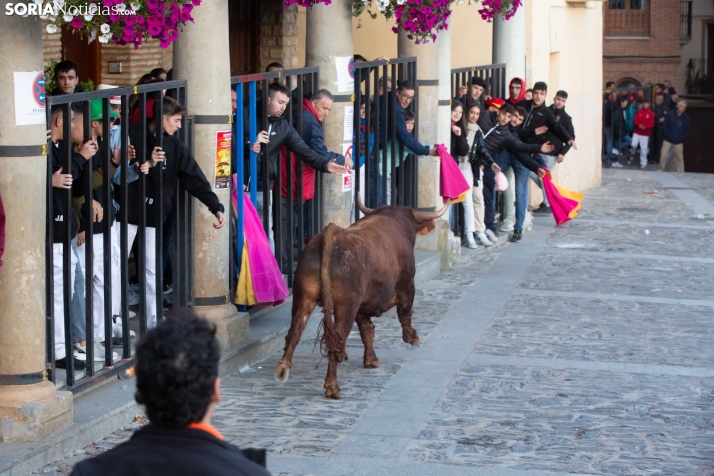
<point>329,36</point>
<point>25,394</point>
<point>433,69</point>
<point>201,56</point>
<point>509,44</point>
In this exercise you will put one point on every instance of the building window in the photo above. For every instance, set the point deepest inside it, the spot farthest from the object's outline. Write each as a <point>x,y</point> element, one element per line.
<point>685,19</point>
<point>627,18</point>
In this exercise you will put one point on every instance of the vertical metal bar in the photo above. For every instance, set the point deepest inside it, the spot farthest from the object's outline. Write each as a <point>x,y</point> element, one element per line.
<point>415,170</point>
<point>88,243</point>
<point>289,161</point>
<point>49,258</point>
<point>265,160</point>
<point>357,138</point>
<point>253,126</point>
<point>124,227</point>
<point>159,230</point>
<point>105,155</point>
<point>276,191</point>
<point>240,173</point>
<point>299,177</point>
<point>141,226</point>
<point>67,285</point>
<point>392,166</point>
<point>389,106</point>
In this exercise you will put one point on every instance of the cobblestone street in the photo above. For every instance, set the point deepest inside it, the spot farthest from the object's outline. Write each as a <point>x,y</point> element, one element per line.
<point>584,349</point>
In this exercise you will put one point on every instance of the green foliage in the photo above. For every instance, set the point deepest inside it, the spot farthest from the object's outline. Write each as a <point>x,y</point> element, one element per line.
<point>50,84</point>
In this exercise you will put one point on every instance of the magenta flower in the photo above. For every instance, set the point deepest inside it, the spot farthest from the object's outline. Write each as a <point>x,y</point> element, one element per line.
<point>154,30</point>
<point>77,22</point>
<point>196,3</point>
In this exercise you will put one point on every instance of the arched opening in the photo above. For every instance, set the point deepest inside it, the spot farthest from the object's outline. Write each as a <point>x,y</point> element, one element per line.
<point>626,82</point>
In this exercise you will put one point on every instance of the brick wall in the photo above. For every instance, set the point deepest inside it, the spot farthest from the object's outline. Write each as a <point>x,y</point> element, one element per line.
<point>51,45</point>
<point>135,63</point>
<point>277,36</point>
<point>648,60</point>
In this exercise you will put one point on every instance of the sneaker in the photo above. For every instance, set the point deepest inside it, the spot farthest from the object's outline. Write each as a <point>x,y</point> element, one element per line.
<point>617,165</point>
<point>100,350</point>
<point>542,209</point>
<point>615,152</point>
<point>118,329</point>
<point>492,236</point>
<point>507,226</point>
<point>79,355</point>
<point>643,166</point>
<point>133,298</point>
<point>629,160</point>
<point>517,236</point>
<point>471,243</point>
<point>168,288</point>
<point>134,285</point>
<point>62,364</point>
<point>483,239</point>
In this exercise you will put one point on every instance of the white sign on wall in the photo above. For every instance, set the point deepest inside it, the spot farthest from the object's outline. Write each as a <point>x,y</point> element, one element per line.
<point>349,123</point>
<point>29,98</point>
<point>345,74</point>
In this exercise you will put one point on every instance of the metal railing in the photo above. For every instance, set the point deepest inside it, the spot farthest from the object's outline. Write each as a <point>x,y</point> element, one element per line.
<point>700,77</point>
<point>685,19</point>
<point>385,171</point>
<point>95,183</point>
<point>493,74</point>
<point>250,118</point>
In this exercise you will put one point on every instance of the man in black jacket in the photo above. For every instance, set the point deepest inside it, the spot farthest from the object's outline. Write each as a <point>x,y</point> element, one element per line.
<point>178,164</point>
<point>558,108</point>
<point>280,134</point>
<point>540,121</point>
<point>504,144</point>
<point>177,381</point>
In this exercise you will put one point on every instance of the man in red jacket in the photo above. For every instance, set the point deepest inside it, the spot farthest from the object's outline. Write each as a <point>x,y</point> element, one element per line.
<point>644,122</point>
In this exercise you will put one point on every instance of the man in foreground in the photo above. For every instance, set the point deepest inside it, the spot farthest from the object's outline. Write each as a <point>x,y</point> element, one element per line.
<point>177,381</point>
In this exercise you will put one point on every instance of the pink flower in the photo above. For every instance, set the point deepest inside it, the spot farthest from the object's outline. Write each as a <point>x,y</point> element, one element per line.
<point>196,2</point>
<point>152,4</point>
<point>154,30</point>
<point>164,44</point>
<point>77,22</point>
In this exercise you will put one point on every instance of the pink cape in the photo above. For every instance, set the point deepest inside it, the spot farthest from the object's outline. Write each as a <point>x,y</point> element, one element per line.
<point>268,283</point>
<point>564,204</point>
<point>452,182</point>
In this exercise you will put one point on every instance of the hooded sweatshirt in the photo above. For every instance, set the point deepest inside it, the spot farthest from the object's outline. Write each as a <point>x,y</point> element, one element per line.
<point>521,97</point>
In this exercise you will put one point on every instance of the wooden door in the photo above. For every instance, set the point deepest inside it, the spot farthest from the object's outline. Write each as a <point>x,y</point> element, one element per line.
<point>87,57</point>
<point>710,49</point>
<point>243,36</point>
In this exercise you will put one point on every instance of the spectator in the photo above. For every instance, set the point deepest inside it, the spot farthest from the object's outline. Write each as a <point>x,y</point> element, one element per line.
<point>539,121</point>
<point>675,130</point>
<point>656,138</point>
<point>478,158</point>
<point>314,112</point>
<point>281,133</point>
<point>558,108</point>
<point>529,98</point>
<point>360,59</point>
<point>459,151</point>
<point>62,218</point>
<point>101,209</point>
<point>474,94</point>
<point>516,92</point>
<point>159,73</point>
<point>607,109</point>
<point>610,85</point>
<point>494,104</point>
<point>671,97</point>
<point>177,382</point>
<point>644,122</point>
<point>180,166</point>
<point>273,67</point>
<point>621,138</point>
<point>67,78</point>
<point>405,95</point>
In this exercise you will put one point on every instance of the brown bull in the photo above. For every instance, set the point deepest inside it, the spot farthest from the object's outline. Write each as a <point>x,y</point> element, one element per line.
<point>356,274</point>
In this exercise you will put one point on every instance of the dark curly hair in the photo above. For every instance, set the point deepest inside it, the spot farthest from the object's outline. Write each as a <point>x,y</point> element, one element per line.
<point>176,369</point>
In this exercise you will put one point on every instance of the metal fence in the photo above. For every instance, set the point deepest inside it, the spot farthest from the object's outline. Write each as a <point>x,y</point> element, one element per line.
<point>493,74</point>
<point>95,182</point>
<point>385,172</point>
<point>288,227</point>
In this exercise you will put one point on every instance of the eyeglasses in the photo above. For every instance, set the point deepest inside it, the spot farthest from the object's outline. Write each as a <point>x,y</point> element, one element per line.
<point>408,98</point>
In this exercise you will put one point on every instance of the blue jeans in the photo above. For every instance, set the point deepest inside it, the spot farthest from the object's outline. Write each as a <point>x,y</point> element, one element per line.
<point>608,141</point>
<point>621,144</point>
<point>509,159</point>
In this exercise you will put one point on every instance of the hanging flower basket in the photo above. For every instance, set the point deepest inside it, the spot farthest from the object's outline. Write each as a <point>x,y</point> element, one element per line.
<point>121,21</point>
<point>420,19</point>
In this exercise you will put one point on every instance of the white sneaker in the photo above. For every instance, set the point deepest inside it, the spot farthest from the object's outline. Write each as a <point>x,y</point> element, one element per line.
<point>99,351</point>
<point>491,236</point>
<point>81,352</point>
<point>79,355</point>
<point>507,225</point>
<point>118,330</point>
<point>643,166</point>
<point>133,299</point>
<point>471,242</point>
<point>617,165</point>
<point>615,152</point>
<point>483,239</point>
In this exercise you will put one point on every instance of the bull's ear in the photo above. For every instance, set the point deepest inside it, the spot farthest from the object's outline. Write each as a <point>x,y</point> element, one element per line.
<point>426,226</point>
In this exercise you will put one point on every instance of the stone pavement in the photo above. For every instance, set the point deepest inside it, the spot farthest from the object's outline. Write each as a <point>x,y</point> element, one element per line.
<point>585,349</point>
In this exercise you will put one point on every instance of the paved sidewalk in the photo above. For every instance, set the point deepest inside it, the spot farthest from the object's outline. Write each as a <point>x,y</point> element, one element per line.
<point>584,349</point>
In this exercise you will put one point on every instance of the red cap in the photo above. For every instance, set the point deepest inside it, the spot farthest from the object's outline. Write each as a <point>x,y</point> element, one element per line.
<point>495,102</point>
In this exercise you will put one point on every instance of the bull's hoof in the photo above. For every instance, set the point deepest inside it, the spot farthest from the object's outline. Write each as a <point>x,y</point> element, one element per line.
<point>333,392</point>
<point>414,340</point>
<point>282,373</point>
<point>371,364</point>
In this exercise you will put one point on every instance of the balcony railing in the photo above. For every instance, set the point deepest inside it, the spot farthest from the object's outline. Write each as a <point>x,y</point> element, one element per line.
<point>685,19</point>
<point>627,18</point>
<point>700,77</point>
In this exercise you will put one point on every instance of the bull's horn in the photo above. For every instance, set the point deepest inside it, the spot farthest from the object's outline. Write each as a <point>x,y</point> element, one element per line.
<point>432,215</point>
<point>362,208</point>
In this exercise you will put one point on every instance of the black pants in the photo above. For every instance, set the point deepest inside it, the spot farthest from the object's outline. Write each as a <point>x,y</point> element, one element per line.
<point>489,198</point>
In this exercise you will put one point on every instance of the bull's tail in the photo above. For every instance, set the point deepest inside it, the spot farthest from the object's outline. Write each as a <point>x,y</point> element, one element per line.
<point>331,339</point>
